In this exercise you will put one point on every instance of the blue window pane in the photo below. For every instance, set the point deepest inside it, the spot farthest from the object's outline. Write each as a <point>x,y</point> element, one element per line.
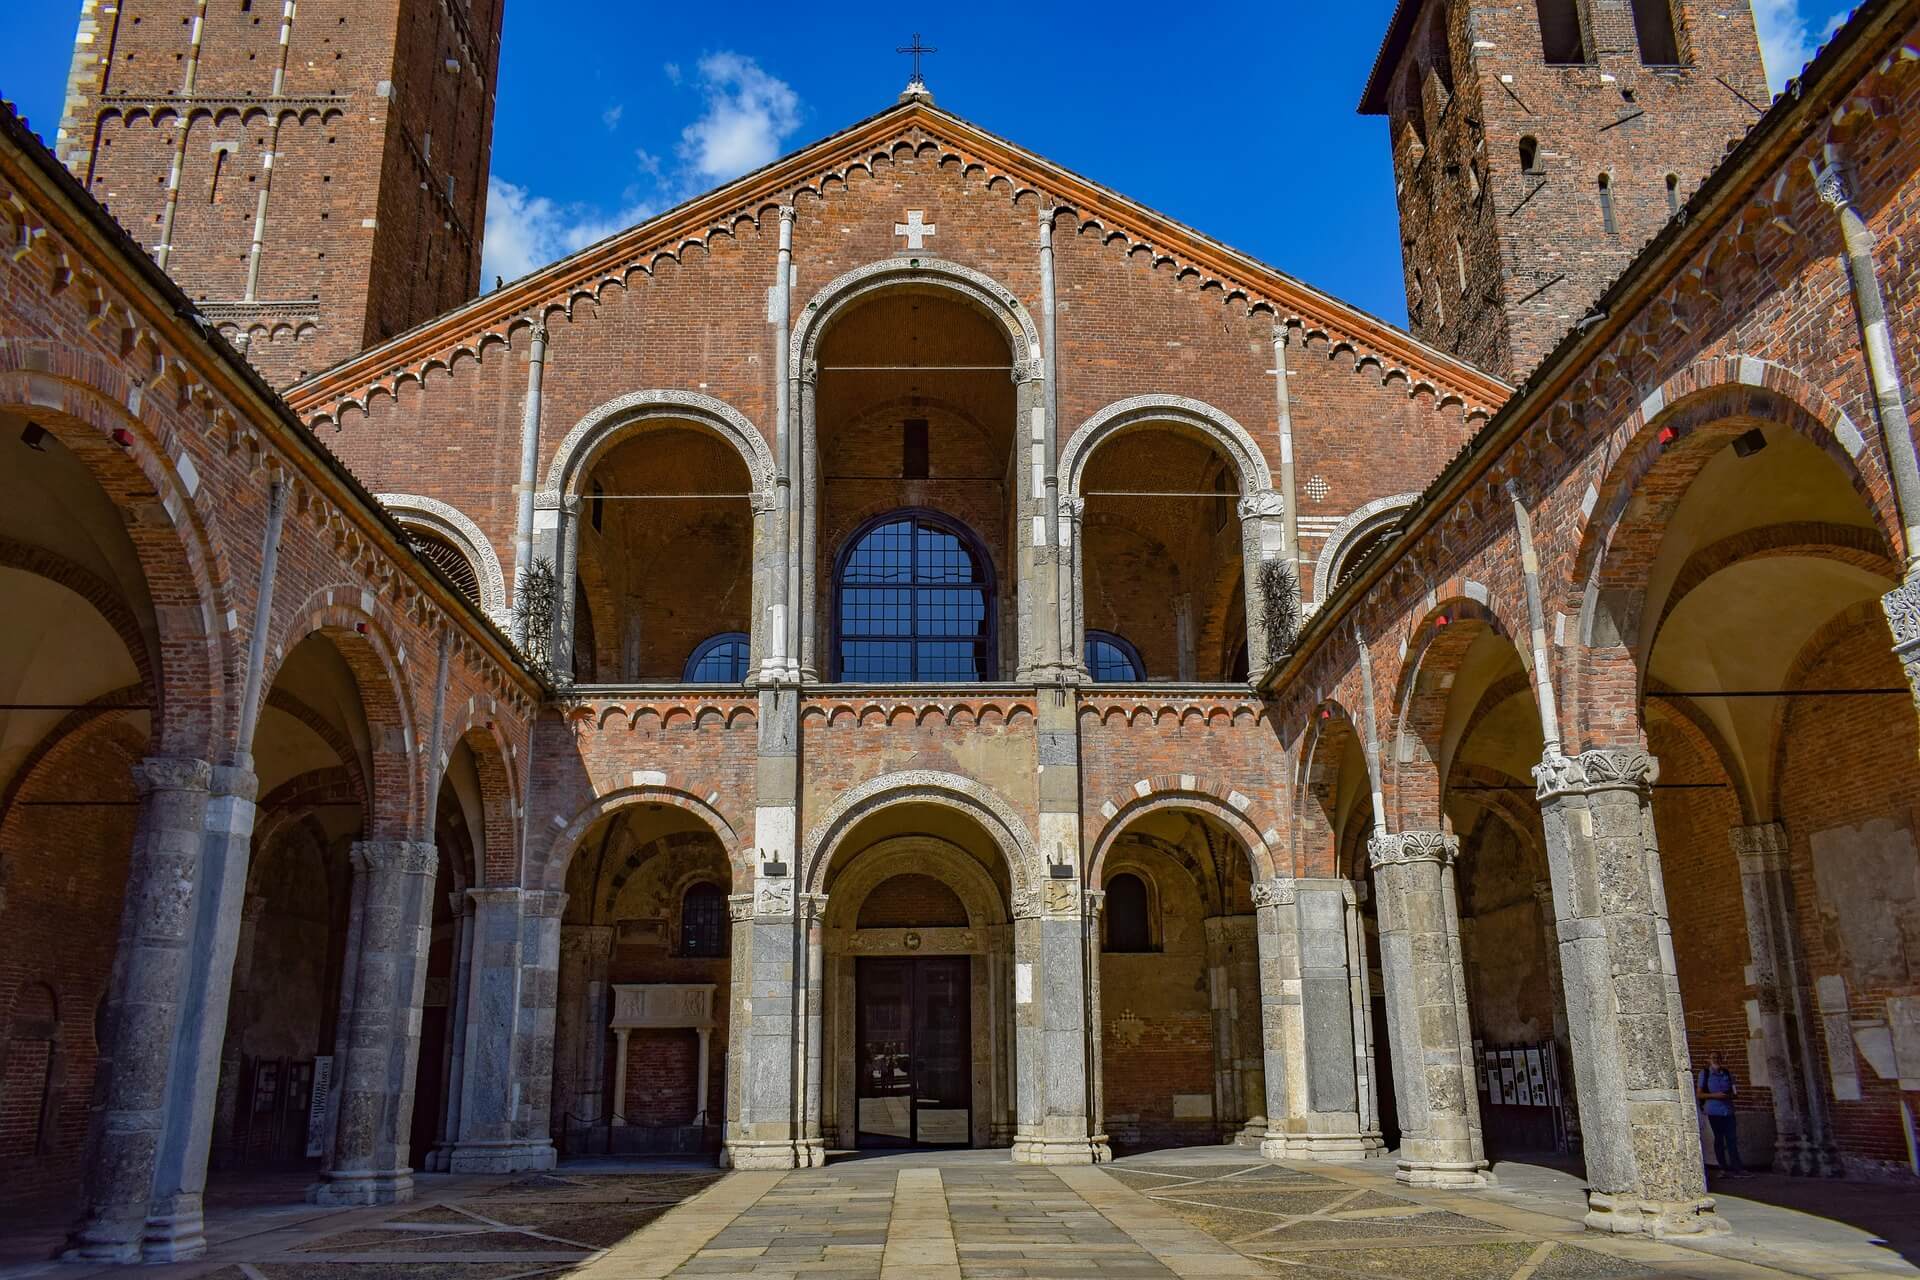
<point>1111,660</point>
<point>915,604</point>
<point>721,660</point>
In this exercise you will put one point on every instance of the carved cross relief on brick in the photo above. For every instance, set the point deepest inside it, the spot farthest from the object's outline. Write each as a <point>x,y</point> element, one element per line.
<point>916,228</point>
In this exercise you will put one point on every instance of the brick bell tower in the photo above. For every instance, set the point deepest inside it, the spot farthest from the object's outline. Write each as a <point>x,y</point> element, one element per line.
<point>1538,144</point>
<point>312,172</point>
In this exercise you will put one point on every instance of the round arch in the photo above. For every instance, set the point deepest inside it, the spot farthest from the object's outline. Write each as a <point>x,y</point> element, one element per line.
<point>1362,522</point>
<point>553,869</point>
<point>618,418</point>
<point>906,855</point>
<point>976,549</point>
<point>452,524</point>
<point>1195,415</point>
<point>984,293</point>
<point>921,786</point>
<point>1261,864</point>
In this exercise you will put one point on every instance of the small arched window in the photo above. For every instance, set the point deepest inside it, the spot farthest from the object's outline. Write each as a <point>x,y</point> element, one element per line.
<point>719,660</point>
<point>1673,193</point>
<point>1529,154</point>
<point>703,920</point>
<point>1606,204</point>
<point>914,602</point>
<point>1129,920</point>
<point>1111,660</point>
<point>1560,37</point>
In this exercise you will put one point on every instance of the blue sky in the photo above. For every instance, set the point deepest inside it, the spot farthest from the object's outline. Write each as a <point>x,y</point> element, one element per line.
<point>1236,119</point>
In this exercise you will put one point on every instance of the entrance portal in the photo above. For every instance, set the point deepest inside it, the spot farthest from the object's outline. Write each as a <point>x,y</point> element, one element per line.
<point>915,1051</point>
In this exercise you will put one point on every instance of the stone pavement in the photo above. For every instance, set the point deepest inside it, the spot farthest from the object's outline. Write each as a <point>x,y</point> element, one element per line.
<point>1210,1212</point>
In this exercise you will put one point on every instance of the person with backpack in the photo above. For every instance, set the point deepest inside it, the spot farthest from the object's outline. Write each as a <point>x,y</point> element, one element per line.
<point>1715,1088</point>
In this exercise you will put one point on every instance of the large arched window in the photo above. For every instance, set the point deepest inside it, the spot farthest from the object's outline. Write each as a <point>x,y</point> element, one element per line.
<point>720,659</point>
<point>1129,918</point>
<point>703,920</point>
<point>1111,660</point>
<point>913,602</point>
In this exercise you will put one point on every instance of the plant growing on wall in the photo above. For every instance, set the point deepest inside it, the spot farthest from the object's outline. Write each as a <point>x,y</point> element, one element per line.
<point>535,609</point>
<point>1279,606</point>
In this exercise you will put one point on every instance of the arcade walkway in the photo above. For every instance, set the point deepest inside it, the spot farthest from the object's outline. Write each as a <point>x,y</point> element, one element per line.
<point>955,1216</point>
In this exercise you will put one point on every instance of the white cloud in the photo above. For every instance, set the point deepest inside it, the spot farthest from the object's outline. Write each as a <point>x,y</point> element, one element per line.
<point>525,232</point>
<point>1787,35</point>
<point>749,114</point>
<point>611,116</point>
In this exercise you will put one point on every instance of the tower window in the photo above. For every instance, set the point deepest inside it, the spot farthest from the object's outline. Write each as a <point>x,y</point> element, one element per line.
<point>1560,38</point>
<point>1673,193</point>
<point>1529,154</point>
<point>1416,106</point>
<point>1606,204</point>
<point>1659,40</point>
<point>1460,261</point>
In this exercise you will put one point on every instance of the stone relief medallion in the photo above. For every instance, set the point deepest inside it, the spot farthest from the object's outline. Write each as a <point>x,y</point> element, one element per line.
<point>911,941</point>
<point>773,898</point>
<point>1060,896</point>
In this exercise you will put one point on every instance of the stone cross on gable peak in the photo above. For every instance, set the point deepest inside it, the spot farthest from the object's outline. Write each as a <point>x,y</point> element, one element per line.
<point>916,229</point>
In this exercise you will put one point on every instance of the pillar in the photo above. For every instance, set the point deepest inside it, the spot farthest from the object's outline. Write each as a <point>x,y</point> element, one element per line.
<point>620,1036</point>
<point>453,1077</point>
<point>810,920</point>
<point>580,1045</point>
<point>765,1080</point>
<point>1631,1072</point>
<point>227,1103</point>
<point>1311,1073</point>
<point>1263,537</point>
<point>1233,998</point>
<point>1093,923</point>
<point>1073,631</point>
<point>1036,535</point>
<point>1802,1135</point>
<point>531,1081</point>
<point>368,1161</point>
<point>1557,997</point>
<point>143,1007</point>
<point>1427,1009</point>
<point>175,1229</point>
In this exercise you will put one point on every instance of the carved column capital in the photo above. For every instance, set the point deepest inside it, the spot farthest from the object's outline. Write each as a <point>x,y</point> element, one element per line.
<point>787,213</point>
<point>1030,369</point>
<point>1261,503</point>
<point>1274,893</point>
<point>1073,507</point>
<point>1404,847</point>
<point>403,857</point>
<point>1830,182</point>
<point>1902,607</point>
<point>811,906</point>
<point>1760,847</point>
<point>740,906</point>
<point>1601,769</point>
<point>171,773</point>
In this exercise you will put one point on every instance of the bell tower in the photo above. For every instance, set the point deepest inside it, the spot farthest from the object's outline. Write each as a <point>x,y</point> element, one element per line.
<point>1538,144</point>
<point>312,172</point>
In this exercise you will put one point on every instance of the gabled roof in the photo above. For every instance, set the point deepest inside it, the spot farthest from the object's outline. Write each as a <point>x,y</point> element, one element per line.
<point>778,182</point>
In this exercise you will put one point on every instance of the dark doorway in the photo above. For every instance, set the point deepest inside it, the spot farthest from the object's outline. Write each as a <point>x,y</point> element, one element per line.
<point>914,1052</point>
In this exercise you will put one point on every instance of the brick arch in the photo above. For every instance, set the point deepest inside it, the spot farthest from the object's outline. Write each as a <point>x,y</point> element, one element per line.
<point>1855,545</point>
<point>82,400</point>
<point>1518,809</point>
<point>1232,440</point>
<point>395,804</point>
<point>1684,717</point>
<point>1866,614</point>
<point>1435,650</point>
<point>1206,796</point>
<point>1701,409</point>
<point>665,788</point>
<point>104,598</point>
<point>293,801</point>
<point>922,786</point>
<point>975,288</point>
<point>499,853</point>
<point>341,745</point>
<point>606,425</point>
<point>1330,728</point>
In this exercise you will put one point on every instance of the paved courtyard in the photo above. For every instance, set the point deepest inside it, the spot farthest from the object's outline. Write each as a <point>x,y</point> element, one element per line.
<point>924,1216</point>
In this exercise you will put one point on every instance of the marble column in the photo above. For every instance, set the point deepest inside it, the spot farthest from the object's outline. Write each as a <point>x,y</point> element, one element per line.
<point>767,1061</point>
<point>1631,1072</point>
<point>580,1055</point>
<point>175,1230</point>
<point>1233,997</point>
<point>1050,994</point>
<point>1311,1069</point>
<point>531,1097</point>
<point>1093,922</point>
<point>485,1140</point>
<point>1427,1009</point>
<point>368,1162</point>
<point>1263,537</point>
<point>811,917</point>
<point>1789,1062</point>
<point>144,1002</point>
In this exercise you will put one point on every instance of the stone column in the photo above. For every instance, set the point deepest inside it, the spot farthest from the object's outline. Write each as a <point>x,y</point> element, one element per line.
<point>485,1142</point>
<point>1036,600</point>
<point>764,1123</point>
<point>811,916</point>
<point>227,1104</point>
<point>143,1008</point>
<point>453,1080</point>
<point>1095,901</point>
<point>1557,995</point>
<point>1233,997</point>
<point>620,1035</point>
<point>1427,1009</point>
<point>1802,1135</point>
<point>548,546</point>
<point>580,1056</point>
<point>1263,537</point>
<point>531,1093</point>
<point>802,579</point>
<point>767,640</point>
<point>566,577</point>
<point>1313,1089</point>
<point>380,1044</point>
<point>1631,1071</point>
<point>1054,1124</point>
<point>175,1228</point>
<point>1073,631</point>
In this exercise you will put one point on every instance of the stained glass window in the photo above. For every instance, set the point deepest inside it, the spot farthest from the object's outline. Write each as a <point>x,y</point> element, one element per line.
<point>720,660</point>
<point>915,603</point>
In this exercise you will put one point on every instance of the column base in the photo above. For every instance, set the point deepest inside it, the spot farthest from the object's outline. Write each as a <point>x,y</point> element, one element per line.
<point>1251,1134</point>
<point>1443,1173</point>
<point>1332,1147</point>
<point>499,1157</point>
<point>807,1153</point>
<point>180,1236</point>
<point>1028,1149</point>
<point>1635,1216</point>
<point>348,1190</point>
<point>97,1243</point>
